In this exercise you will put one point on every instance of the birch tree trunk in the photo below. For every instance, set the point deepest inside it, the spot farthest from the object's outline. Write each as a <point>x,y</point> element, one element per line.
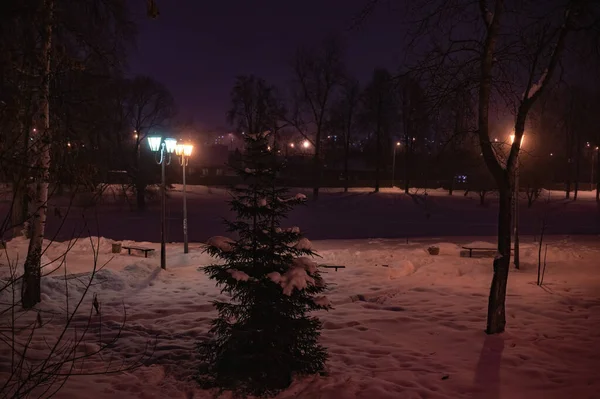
<point>30,289</point>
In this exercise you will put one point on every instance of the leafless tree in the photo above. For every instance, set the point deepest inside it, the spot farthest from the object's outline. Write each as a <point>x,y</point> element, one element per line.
<point>414,118</point>
<point>343,120</point>
<point>255,107</point>
<point>318,72</point>
<point>42,349</point>
<point>379,114</point>
<point>508,53</point>
<point>148,107</point>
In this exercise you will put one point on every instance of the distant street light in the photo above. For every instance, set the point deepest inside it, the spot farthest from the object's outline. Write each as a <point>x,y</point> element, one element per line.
<point>394,163</point>
<point>164,148</point>
<point>516,199</point>
<point>184,151</point>
<point>306,144</point>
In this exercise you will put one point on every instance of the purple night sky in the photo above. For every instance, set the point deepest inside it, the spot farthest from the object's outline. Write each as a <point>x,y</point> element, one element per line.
<point>196,48</point>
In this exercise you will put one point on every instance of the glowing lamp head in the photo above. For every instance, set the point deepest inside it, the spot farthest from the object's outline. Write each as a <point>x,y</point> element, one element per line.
<point>292,145</point>
<point>154,143</point>
<point>306,144</point>
<point>184,149</point>
<point>398,144</point>
<point>170,145</point>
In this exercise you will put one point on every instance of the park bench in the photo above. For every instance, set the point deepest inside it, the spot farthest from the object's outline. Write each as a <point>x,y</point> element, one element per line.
<point>144,250</point>
<point>480,251</point>
<point>332,267</point>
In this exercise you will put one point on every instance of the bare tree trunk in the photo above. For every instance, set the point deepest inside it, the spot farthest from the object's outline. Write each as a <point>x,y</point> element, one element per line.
<point>31,285</point>
<point>317,176</point>
<point>346,157</point>
<point>406,167</point>
<point>577,169</point>
<point>496,309</point>
<point>378,158</point>
<point>482,194</point>
<point>569,168</point>
<point>140,180</point>
<point>597,176</point>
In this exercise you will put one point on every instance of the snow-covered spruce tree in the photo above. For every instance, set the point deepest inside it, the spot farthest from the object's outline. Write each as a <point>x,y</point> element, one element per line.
<point>264,335</point>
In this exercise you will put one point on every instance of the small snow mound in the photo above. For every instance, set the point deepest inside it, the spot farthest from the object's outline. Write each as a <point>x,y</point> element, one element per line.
<point>220,242</point>
<point>274,277</point>
<point>304,243</point>
<point>238,275</point>
<point>308,264</point>
<point>447,248</point>
<point>300,196</point>
<point>262,202</point>
<point>296,277</point>
<point>402,269</point>
<point>250,171</point>
<point>322,301</point>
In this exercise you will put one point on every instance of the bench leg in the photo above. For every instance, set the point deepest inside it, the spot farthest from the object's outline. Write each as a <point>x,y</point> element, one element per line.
<point>129,251</point>
<point>145,254</point>
<point>470,253</point>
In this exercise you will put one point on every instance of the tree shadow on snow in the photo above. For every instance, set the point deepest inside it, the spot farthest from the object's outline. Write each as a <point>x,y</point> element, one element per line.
<point>487,374</point>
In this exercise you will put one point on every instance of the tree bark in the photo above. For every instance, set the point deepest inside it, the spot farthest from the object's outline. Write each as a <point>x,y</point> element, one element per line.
<point>378,159</point>
<point>317,177</point>
<point>597,176</point>
<point>496,304</point>
<point>406,168</point>
<point>569,167</point>
<point>317,164</point>
<point>577,170</point>
<point>346,156</point>
<point>140,195</point>
<point>140,180</point>
<point>31,281</point>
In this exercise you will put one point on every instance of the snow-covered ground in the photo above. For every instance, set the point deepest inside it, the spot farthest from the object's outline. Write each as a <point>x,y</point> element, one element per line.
<point>405,324</point>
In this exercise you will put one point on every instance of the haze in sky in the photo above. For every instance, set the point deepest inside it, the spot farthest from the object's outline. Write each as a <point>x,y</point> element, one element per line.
<point>196,48</point>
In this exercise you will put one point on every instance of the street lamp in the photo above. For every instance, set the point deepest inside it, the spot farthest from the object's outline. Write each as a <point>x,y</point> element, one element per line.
<point>164,148</point>
<point>184,151</point>
<point>394,163</point>
<point>516,199</point>
<point>306,144</point>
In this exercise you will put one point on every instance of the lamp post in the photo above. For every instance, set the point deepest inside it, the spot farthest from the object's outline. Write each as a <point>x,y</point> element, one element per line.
<point>394,163</point>
<point>184,151</point>
<point>517,258</point>
<point>164,148</point>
